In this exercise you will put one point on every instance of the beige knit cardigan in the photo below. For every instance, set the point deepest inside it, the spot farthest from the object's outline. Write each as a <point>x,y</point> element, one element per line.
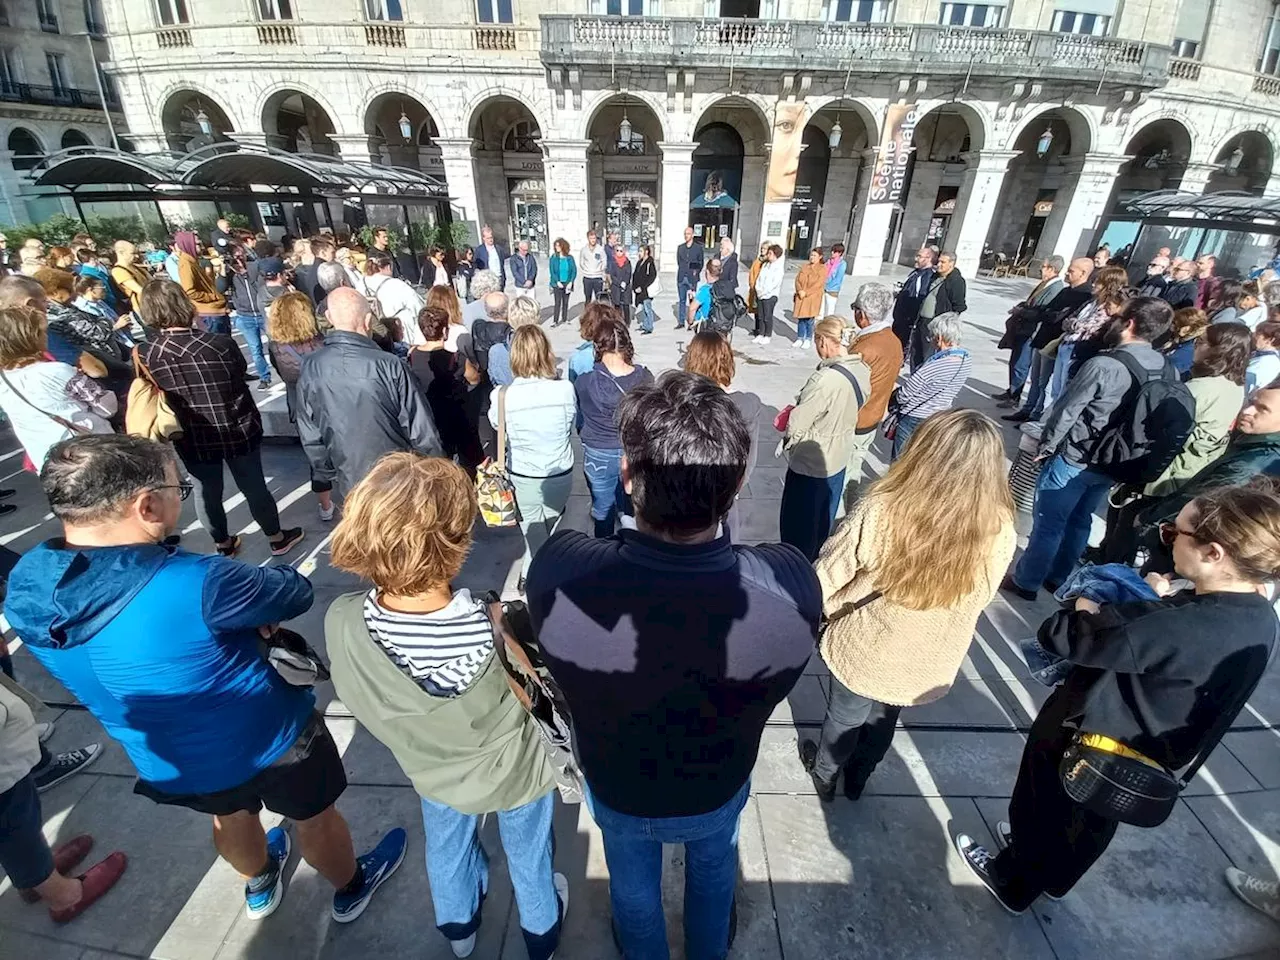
<point>885,651</point>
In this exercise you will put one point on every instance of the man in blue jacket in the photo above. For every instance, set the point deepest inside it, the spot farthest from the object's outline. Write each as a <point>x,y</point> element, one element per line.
<point>164,649</point>
<point>492,255</point>
<point>524,269</point>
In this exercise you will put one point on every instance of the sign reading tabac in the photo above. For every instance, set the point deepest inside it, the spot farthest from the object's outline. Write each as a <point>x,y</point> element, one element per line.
<point>890,174</point>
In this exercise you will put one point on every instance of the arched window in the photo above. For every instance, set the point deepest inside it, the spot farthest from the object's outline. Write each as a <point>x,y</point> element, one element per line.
<point>719,140</point>
<point>74,138</point>
<point>26,149</point>
<point>522,138</point>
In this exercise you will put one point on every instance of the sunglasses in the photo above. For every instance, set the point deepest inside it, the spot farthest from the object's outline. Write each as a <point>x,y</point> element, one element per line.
<point>1169,534</point>
<point>184,488</point>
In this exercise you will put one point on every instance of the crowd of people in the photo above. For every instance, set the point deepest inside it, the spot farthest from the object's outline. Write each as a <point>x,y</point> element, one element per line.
<point>667,640</point>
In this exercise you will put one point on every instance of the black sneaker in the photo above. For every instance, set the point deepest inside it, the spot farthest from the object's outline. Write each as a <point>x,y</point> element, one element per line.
<point>1021,416</point>
<point>6,493</point>
<point>6,508</point>
<point>978,858</point>
<point>1002,395</point>
<point>65,765</point>
<point>264,385</point>
<point>1009,586</point>
<point>826,789</point>
<point>288,540</point>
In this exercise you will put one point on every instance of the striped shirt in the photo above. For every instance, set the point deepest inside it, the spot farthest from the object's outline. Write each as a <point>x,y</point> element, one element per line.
<point>935,384</point>
<point>444,651</point>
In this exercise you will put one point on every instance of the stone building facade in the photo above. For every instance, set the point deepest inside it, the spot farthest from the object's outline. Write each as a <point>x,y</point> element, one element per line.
<point>1032,120</point>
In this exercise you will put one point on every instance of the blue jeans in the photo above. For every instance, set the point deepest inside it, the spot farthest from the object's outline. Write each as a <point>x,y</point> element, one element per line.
<point>684,287</point>
<point>458,870</point>
<point>804,328</point>
<point>603,470</point>
<point>808,510</point>
<point>251,325</point>
<point>1019,364</point>
<point>633,852</point>
<point>1041,371</point>
<point>906,427</point>
<point>1061,371</point>
<point>1067,496</point>
<point>646,316</point>
<point>214,322</point>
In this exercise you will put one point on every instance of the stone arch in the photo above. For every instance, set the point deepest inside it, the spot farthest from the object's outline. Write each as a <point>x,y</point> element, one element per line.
<point>177,124</point>
<point>75,137</point>
<point>1080,123</point>
<point>207,94</point>
<point>655,105</point>
<point>374,94</point>
<point>753,141</point>
<point>1138,124</point>
<point>477,104</point>
<point>26,145</point>
<point>269,100</point>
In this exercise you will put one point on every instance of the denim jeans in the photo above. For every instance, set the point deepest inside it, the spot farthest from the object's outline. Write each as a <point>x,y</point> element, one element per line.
<point>1037,382</point>
<point>214,322</point>
<point>906,427</point>
<point>458,870</point>
<point>603,470</point>
<point>541,501</point>
<point>633,852</point>
<point>592,288</point>
<point>1019,364</point>
<point>646,315</point>
<point>808,510</point>
<point>24,853</point>
<point>251,326</point>
<point>1061,372</point>
<point>246,471</point>
<point>804,328</point>
<point>684,287</point>
<point>1067,496</point>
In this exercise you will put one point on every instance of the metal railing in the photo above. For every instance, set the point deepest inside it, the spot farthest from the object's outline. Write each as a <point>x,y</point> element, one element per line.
<point>11,92</point>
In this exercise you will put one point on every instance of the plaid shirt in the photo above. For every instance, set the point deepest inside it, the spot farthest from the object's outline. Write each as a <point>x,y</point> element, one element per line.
<point>203,374</point>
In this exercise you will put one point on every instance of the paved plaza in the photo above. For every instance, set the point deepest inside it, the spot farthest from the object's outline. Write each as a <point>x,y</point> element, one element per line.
<point>873,879</point>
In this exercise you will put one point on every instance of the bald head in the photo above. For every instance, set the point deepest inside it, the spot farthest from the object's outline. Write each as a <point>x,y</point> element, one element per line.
<point>495,306</point>
<point>17,290</point>
<point>348,311</point>
<point>1080,270</point>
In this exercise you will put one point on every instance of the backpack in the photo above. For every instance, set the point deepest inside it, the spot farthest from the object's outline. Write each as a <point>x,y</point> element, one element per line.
<point>725,314</point>
<point>1149,428</point>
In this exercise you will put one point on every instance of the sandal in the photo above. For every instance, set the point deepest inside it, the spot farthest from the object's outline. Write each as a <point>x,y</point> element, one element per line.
<point>230,548</point>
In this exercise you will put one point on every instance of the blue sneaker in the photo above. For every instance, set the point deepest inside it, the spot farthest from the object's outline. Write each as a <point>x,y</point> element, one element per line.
<point>378,864</point>
<point>262,904</point>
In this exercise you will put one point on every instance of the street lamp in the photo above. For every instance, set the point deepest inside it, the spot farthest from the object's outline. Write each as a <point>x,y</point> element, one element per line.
<point>624,128</point>
<point>406,128</point>
<point>837,131</point>
<point>202,121</point>
<point>1232,166</point>
<point>1045,142</point>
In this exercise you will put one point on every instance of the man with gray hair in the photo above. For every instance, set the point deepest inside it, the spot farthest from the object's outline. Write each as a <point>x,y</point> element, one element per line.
<point>934,385</point>
<point>1024,317</point>
<point>330,276</point>
<point>881,350</point>
<point>483,283</point>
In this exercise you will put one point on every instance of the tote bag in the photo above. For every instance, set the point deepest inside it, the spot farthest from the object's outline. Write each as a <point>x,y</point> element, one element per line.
<point>494,491</point>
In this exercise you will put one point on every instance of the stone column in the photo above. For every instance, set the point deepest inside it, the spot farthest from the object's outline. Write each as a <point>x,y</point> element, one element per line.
<point>1272,189</point>
<point>751,203</point>
<point>460,175</point>
<point>976,205</point>
<point>1082,200</point>
<point>870,225</point>
<point>356,149</point>
<point>837,200</point>
<point>12,207</point>
<point>565,171</point>
<point>1196,177</point>
<point>673,209</point>
<point>926,178</point>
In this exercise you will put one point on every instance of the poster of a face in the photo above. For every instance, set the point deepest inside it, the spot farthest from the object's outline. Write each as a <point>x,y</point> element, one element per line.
<point>715,187</point>
<point>784,156</point>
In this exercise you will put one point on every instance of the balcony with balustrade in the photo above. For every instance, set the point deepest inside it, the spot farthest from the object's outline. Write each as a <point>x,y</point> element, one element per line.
<point>54,96</point>
<point>864,48</point>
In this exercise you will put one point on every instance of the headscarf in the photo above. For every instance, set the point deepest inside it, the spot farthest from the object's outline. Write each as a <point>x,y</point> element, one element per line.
<point>620,257</point>
<point>186,241</point>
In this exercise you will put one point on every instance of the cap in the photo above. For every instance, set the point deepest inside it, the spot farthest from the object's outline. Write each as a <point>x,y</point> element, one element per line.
<point>271,266</point>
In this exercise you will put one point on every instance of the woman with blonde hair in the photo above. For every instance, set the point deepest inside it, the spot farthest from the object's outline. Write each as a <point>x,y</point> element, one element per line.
<point>903,583</point>
<point>444,298</point>
<point>292,334</point>
<point>413,660</point>
<point>540,410</point>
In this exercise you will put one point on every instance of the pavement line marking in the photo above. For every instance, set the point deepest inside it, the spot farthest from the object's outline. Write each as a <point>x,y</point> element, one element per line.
<point>10,537</point>
<point>227,506</point>
<point>11,454</point>
<point>288,500</point>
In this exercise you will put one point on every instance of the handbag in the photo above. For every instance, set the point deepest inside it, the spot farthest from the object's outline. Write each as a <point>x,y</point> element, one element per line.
<point>293,658</point>
<point>494,491</point>
<point>147,411</point>
<point>1116,782</point>
<point>536,690</point>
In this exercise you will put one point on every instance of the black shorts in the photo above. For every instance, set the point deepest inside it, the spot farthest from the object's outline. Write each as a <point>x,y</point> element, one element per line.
<point>305,781</point>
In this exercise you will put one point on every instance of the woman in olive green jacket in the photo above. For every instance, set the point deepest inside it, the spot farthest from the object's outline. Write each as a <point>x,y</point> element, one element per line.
<point>414,662</point>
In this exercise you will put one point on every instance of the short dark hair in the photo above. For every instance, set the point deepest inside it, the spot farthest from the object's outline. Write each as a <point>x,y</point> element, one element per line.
<point>837,248</point>
<point>378,260</point>
<point>433,322</point>
<point>1150,317</point>
<point>164,304</point>
<point>1228,348</point>
<point>86,282</point>
<point>87,479</point>
<point>686,446</point>
<point>263,249</point>
<point>612,336</point>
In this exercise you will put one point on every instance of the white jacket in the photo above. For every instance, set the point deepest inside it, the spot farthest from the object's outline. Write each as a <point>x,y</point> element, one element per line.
<point>540,418</point>
<point>769,281</point>
<point>395,298</point>
<point>591,261</point>
<point>37,393</point>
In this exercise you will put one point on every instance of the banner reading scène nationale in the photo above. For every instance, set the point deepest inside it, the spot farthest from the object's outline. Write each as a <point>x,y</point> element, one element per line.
<point>888,179</point>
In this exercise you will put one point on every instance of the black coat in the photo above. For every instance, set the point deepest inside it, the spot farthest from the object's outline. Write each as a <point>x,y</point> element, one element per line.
<point>726,288</point>
<point>356,403</point>
<point>619,282</point>
<point>642,279</point>
<point>951,295</point>
<point>1181,293</point>
<point>1067,302</point>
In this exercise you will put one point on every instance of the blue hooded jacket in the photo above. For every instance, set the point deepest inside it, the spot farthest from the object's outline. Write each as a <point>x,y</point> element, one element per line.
<point>162,646</point>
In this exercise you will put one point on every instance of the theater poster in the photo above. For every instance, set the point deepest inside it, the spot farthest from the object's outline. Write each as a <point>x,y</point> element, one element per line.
<point>789,119</point>
<point>889,178</point>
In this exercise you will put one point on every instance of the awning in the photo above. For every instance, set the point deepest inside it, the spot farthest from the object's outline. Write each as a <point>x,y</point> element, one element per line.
<point>1224,205</point>
<point>232,166</point>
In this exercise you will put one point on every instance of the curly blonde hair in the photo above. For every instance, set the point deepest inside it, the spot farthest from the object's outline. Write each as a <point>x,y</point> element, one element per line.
<point>290,319</point>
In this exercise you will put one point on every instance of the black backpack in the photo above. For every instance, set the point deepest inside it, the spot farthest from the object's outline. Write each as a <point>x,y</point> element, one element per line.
<point>1149,428</point>
<point>725,314</point>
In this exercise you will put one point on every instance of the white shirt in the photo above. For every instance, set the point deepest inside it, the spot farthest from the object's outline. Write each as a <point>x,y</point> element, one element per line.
<point>442,276</point>
<point>492,258</point>
<point>540,418</point>
<point>44,387</point>
<point>395,298</point>
<point>769,280</point>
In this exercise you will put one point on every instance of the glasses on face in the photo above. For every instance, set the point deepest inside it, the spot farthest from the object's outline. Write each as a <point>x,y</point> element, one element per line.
<point>1170,532</point>
<point>184,488</point>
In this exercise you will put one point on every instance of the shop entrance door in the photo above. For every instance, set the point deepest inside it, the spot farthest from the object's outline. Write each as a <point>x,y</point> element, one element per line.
<point>803,229</point>
<point>529,222</point>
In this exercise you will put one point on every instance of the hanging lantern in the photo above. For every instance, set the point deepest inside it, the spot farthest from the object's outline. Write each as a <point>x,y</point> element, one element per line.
<point>624,128</point>
<point>1045,142</point>
<point>837,131</point>
<point>202,121</point>
<point>406,128</point>
<point>1234,161</point>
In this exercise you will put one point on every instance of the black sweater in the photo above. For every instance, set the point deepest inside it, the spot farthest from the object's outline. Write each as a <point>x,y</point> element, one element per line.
<point>1157,674</point>
<point>671,659</point>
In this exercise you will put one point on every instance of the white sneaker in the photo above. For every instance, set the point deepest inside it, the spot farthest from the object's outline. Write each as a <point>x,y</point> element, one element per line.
<point>764,341</point>
<point>797,345</point>
<point>1263,895</point>
<point>327,515</point>
<point>463,948</point>
<point>757,339</point>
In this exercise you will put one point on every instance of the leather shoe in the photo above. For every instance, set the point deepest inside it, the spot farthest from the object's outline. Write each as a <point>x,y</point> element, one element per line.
<point>1009,586</point>
<point>65,859</point>
<point>95,882</point>
<point>6,493</point>
<point>1018,416</point>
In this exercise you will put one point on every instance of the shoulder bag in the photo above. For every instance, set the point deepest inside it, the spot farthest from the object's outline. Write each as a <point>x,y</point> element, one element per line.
<point>60,421</point>
<point>537,692</point>
<point>494,490</point>
<point>148,413</point>
<point>289,654</point>
<point>1116,782</point>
